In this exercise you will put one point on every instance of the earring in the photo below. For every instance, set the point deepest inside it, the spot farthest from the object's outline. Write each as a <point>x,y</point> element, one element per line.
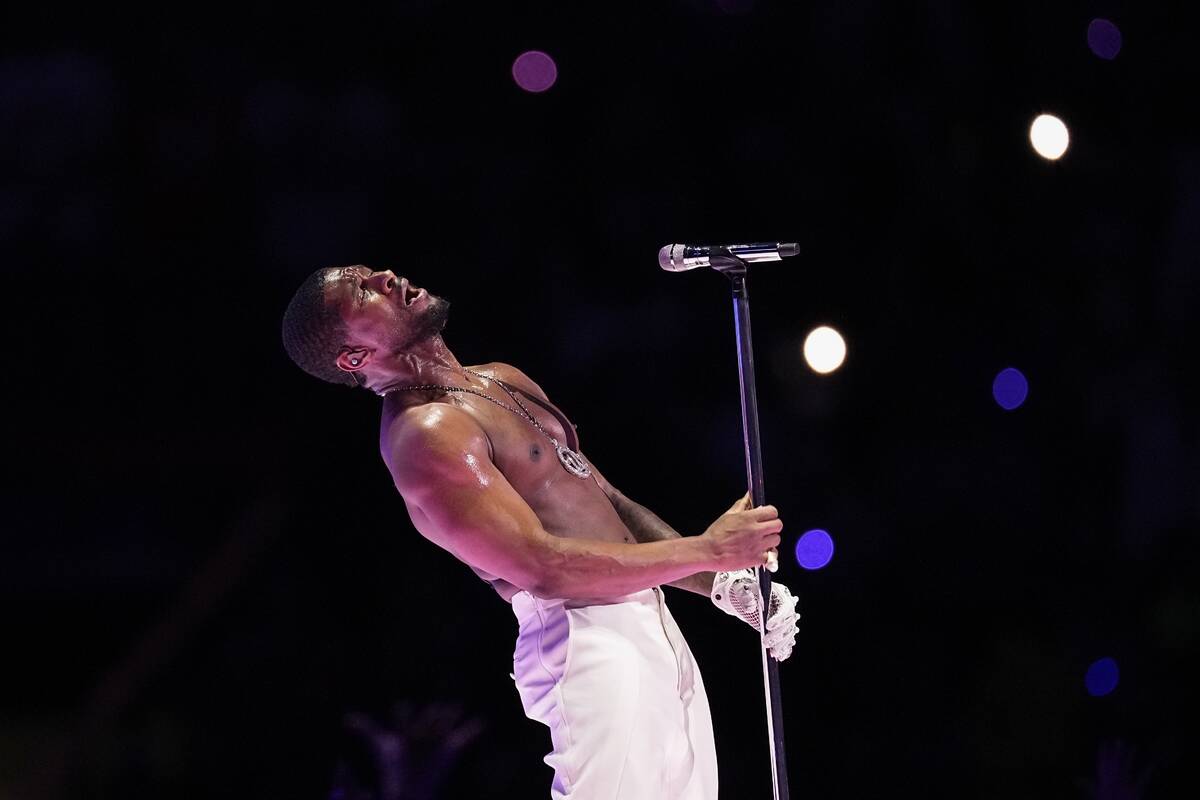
<point>354,361</point>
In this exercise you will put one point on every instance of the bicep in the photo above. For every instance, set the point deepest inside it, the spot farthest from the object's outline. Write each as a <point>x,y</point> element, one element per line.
<point>465,505</point>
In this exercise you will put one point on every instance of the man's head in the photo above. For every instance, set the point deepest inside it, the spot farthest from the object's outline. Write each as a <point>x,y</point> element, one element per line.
<point>343,318</point>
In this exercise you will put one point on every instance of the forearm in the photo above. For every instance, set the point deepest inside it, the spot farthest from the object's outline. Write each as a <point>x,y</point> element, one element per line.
<point>584,568</point>
<point>646,527</point>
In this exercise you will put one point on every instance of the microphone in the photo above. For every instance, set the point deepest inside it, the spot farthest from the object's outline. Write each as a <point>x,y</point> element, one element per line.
<point>681,257</point>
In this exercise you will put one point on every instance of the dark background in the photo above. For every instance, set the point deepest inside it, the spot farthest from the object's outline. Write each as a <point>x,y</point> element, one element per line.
<point>205,566</point>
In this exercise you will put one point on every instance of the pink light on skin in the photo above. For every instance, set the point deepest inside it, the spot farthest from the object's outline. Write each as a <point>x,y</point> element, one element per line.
<point>534,71</point>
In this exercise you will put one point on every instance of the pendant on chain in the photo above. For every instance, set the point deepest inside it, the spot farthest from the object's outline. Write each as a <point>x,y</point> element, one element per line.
<point>573,462</point>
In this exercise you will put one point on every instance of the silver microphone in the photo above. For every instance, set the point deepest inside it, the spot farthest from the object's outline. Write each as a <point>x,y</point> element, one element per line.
<point>680,257</point>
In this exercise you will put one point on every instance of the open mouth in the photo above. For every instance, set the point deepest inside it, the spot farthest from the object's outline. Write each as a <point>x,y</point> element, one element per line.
<point>411,295</point>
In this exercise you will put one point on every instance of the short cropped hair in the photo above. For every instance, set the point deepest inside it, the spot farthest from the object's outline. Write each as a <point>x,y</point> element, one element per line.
<point>314,333</point>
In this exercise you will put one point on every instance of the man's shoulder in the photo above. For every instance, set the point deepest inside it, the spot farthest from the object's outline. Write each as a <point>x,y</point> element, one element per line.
<point>430,430</point>
<point>429,423</point>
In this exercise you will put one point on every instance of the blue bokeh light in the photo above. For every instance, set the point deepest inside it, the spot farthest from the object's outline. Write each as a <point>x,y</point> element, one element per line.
<point>814,549</point>
<point>1101,677</point>
<point>1010,388</point>
<point>1104,39</point>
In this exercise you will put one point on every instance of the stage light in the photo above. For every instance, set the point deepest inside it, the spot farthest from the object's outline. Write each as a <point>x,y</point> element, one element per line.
<point>1010,388</point>
<point>1101,677</point>
<point>1049,137</point>
<point>824,349</point>
<point>1104,39</point>
<point>534,71</point>
<point>814,549</point>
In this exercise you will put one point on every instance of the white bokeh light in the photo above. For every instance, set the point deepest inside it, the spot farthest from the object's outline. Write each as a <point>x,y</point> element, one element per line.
<point>824,350</point>
<point>1049,137</point>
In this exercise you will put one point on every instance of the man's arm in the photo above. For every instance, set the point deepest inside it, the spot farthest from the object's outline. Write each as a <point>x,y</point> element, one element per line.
<point>459,500</point>
<point>646,526</point>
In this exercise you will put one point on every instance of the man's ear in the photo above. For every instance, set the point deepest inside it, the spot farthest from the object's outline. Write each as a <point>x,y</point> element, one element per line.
<point>353,360</point>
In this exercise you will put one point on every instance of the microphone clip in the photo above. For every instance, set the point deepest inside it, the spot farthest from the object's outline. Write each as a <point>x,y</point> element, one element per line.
<point>727,263</point>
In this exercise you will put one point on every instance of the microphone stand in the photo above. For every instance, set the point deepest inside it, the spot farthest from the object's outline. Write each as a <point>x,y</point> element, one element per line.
<point>735,269</point>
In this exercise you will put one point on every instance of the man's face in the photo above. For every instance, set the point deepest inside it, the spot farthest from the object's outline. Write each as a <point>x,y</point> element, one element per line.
<point>382,311</point>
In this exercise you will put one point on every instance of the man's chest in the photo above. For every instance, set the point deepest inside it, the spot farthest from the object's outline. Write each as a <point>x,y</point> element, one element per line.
<point>525,444</point>
<point>565,503</point>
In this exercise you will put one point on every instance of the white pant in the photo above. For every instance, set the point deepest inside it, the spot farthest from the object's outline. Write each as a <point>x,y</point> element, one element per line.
<point>616,684</point>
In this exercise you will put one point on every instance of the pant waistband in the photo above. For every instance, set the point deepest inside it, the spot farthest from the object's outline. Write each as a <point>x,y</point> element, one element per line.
<point>524,604</point>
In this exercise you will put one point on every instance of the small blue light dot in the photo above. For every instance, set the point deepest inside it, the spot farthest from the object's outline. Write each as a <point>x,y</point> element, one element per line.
<point>814,549</point>
<point>1101,677</point>
<point>1010,388</point>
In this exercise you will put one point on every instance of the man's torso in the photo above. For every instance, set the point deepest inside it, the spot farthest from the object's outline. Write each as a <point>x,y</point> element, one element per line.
<point>566,505</point>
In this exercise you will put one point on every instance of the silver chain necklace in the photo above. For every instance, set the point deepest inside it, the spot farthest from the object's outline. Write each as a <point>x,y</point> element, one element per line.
<point>572,461</point>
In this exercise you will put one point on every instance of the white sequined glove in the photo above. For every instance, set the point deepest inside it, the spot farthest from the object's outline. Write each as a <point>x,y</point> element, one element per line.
<point>736,593</point>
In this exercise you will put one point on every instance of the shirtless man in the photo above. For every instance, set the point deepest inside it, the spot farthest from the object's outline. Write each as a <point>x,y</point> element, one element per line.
<point>492,472</point>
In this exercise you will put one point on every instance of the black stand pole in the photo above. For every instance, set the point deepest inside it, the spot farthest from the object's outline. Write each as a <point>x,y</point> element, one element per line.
<point>735,270</point>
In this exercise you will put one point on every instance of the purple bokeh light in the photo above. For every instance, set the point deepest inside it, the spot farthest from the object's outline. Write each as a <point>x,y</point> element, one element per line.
<point>1010,388</point>
<point>1104,39</point>
<point>814,549</point>
<point>1101,677</point>
<point>534,71</point>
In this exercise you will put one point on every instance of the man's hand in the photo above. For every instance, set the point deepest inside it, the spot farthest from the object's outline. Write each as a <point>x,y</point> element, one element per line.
<point>736,593</point>
<point>743,536</point>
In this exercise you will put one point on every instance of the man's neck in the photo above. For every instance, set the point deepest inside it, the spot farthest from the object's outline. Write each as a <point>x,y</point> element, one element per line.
<point>430,362</point>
